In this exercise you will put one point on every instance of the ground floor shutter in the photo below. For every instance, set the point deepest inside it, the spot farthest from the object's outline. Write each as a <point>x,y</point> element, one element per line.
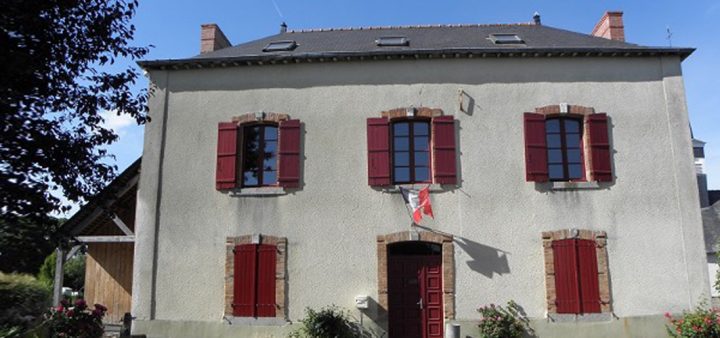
<point>267,256</point>
<point>245,278</point>
<point>566,276</point>
<point>588,276</point>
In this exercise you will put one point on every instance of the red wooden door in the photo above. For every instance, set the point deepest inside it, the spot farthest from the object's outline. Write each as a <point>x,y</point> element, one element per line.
<point>415,296</point>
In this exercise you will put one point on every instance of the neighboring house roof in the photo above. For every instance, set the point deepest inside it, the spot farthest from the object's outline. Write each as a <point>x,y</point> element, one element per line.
<point>713,196</point>
<point>95,211</point>
<point>711,227</point>
<point>352,44</point>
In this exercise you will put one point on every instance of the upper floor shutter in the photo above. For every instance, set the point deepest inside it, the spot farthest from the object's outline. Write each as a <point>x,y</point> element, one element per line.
<point>378,147</point>
<point>588,274</point>
<point>267,256</point>
<point>225,171</point>
<point>536,166</point>
<point>600,166</point>
<point>444,154</point>
<point>289,154</point>
<point>566,281</point>
<point>245,278</point>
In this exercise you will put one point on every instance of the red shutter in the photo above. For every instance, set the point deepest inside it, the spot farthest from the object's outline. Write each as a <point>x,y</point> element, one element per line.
<point>566,281</point>
<point>597,126</point>
<point>589,290</point>
<point>536,167</point>
<point>378,143</point>
<point>444,155</point>
<point>289,154</point>
<point>245,277</point>
<point>267,255</point>
<point>226,156</point>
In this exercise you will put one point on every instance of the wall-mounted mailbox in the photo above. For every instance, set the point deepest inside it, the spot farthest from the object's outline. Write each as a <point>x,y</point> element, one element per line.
<point>361,302</point>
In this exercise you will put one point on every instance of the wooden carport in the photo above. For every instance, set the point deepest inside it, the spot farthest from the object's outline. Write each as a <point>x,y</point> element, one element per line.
<point>106,225</point>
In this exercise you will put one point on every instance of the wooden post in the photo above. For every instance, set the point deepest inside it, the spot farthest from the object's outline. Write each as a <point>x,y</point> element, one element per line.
<point>59,271</point>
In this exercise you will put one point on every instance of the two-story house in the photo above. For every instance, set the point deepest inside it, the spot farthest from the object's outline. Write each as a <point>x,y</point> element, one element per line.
<point>559,166</point>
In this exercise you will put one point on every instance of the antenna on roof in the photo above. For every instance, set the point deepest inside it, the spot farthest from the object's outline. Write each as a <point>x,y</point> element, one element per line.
<point>669,36</point>
<point>536,18</point>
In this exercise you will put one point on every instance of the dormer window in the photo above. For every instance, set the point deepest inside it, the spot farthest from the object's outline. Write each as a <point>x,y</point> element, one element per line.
<point>390,41</point>
<point>506,39</point>
<point>277,46</point>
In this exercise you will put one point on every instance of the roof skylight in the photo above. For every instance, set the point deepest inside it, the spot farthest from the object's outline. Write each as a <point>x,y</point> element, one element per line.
<point>506,39</point>
<point>392,41</point>
<point>276,46</point>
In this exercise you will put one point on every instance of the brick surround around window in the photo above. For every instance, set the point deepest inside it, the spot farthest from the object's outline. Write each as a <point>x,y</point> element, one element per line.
<point>280,271</point>
<point>600,239</point>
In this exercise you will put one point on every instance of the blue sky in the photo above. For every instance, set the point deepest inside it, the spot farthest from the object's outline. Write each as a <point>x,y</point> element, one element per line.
<point>173,27</point>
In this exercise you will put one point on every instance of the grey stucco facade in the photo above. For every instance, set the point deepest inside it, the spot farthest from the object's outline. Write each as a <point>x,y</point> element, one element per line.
<point>650,212</point>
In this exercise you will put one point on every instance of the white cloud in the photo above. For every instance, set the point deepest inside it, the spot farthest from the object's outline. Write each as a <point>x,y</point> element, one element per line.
<point>119,124</point>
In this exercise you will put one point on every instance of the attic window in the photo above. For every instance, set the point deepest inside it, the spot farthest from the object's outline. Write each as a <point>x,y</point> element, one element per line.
<point>392,41</point>
<point>276,46</point>
<point>506,39</point>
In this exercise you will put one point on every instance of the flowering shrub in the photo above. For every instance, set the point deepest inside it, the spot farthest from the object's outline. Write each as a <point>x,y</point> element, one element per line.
<point>701,322</point>
<point>499,322</point>
<point>77,321</point>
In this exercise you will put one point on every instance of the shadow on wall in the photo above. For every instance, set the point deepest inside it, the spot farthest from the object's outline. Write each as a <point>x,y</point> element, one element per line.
<point>376,313</point>
<point>484,259</point>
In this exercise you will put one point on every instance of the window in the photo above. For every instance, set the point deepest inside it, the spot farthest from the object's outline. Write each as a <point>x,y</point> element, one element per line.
<point>259,162</point>
<point>411,152</point>
<point>277,46</point>
<point>392,41</point>
<point>567,147</point>
<point>506,38</point>
<point>258,154</point>
<point>564,148</point>
<point>254,280</point>
<point>576,276</point>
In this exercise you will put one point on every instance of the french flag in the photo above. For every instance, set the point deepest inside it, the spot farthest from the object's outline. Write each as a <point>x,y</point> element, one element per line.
<point>419,202</point>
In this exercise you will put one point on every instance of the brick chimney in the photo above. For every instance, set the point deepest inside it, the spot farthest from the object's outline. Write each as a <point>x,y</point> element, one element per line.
<point>610,27</point>
<point>212,38</point>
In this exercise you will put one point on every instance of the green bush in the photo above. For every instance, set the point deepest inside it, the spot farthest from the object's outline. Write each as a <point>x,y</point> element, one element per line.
<point>329,322</point>
<point>701,322</point>
<point>499,322</point>
<point>74,271</point>
<point>23,300</point>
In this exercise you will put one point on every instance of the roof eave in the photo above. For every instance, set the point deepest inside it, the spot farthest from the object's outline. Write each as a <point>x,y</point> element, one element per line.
<point>330,56</point>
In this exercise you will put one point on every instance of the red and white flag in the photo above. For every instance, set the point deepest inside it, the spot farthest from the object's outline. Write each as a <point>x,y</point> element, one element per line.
<point>419,202</point>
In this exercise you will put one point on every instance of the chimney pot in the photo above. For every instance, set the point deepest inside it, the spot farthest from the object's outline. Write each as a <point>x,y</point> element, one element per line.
<point>212,38</point>
<point>610,27</point>
<point>536,18</point>
<point>283,27</point>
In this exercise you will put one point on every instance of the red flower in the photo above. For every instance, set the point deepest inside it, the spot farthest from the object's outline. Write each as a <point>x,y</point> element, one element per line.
<point>70,313</point>
<point>667,315</point>
<point>80,304</point>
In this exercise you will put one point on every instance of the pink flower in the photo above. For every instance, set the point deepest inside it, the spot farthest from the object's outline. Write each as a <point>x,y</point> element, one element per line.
<point>60,308</point>
<point>70,313</point>
<point>667,315</point>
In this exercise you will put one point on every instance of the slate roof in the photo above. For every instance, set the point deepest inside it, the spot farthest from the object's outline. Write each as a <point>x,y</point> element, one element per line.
<point>350,44</point>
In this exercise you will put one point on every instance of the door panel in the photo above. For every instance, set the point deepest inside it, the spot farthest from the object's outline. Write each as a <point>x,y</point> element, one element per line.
<point>432,295</point>
<point>410,279</point>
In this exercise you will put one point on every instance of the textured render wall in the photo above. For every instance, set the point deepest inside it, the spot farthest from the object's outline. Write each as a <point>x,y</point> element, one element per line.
<point>650,213</point>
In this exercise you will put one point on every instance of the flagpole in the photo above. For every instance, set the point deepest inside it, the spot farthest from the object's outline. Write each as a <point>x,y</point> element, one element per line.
<point>407,208</point>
